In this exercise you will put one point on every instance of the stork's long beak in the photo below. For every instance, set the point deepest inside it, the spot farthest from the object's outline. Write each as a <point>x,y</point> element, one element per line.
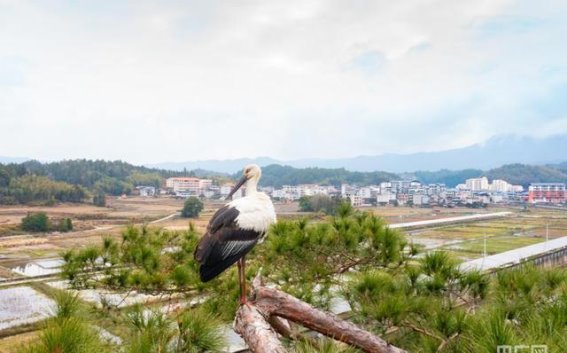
<point>236,187</point>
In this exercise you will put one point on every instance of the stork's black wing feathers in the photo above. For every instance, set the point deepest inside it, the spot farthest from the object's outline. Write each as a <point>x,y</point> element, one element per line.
<point>224,217</point>
<point>223,244</point>
<point>225,253</point>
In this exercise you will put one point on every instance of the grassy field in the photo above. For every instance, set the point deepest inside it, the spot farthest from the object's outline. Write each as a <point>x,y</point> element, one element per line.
<point>466,241</point>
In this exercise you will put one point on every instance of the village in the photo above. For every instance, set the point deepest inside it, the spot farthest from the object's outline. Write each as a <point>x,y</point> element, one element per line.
<point>474,192</point>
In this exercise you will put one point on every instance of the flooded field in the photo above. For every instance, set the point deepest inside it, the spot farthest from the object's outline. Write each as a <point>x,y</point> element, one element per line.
<point>23,305</point>
<point>38,268</point>
<point>102,297</point>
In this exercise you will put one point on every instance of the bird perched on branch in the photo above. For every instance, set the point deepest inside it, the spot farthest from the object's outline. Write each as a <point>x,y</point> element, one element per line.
<point>235,229</point>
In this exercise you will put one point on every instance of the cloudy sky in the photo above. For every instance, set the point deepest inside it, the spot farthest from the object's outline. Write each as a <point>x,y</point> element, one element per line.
<point>150,81</point>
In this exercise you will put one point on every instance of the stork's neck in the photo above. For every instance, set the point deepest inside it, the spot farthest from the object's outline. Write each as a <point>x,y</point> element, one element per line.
<point>251,186</point>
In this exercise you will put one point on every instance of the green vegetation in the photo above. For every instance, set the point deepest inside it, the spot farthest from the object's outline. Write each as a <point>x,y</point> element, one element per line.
<point>518,174</point>
<point>523,174</point>
<point>68,181</point>
<point>36,222</point>
<point>192,331</point>
<point>451,178</point>
<point>39,222</point>
<point>319,203</point>
<point>192,207</point>
<point>73,329</point>
<point>32,188</point>
<point>495,245</point>
<point>65,225</point>
<point>67,332</point>
<point>278,175</point>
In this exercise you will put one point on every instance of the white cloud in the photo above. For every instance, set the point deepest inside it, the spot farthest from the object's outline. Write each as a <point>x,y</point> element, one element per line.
<point>154,81</point>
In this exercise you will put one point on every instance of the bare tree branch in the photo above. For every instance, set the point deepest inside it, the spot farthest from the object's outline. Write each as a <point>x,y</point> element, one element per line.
<point>270,302</point>
<point>255,330</point>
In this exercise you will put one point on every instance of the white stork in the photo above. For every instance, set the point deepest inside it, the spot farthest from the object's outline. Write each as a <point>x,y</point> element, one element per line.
<point>235,229</point>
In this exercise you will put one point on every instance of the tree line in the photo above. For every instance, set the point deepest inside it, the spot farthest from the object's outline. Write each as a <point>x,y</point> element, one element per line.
<point>73,180</point>
<point>517,174</point>
<point>277,175</point>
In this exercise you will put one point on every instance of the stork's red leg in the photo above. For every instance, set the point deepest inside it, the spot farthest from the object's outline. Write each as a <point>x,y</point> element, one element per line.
<point>242,280</point>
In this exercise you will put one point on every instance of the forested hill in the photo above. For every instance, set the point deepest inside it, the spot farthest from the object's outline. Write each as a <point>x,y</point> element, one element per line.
<point>518,174</point>
<point>448,177</point>
<point>75,180</point>
<point>277,175</point>
<point>523,174</point>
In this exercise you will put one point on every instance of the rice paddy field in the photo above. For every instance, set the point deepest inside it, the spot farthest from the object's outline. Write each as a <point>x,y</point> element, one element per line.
<point>470,240</point>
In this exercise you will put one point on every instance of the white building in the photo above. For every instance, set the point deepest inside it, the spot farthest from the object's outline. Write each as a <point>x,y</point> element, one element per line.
<point>280,194</point>
<point>184,185</point>
<point>477,184</point>
<point>205,184</point>
<point>188,185</point>
<point>385,198</point>
<point>355,200</point>
<point>365,192</point>
<point>146,191</point>
<point>419,200</point>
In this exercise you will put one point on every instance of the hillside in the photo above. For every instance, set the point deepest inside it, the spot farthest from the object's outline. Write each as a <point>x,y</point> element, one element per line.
<point>519,174</point>
<point>523,174</point>
<point>72,180</point>
<point>278,175</point>
<point>448,177</point>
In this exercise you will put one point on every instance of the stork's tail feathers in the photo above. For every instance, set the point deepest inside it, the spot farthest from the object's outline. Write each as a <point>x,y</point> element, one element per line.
<point>209,271</point>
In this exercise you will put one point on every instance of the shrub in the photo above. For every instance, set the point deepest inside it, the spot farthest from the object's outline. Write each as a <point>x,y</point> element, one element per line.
<point>192,207</point>
<point>65,225</point>
<point>36,222</point>
<point>318,203</point>
<point>66,332</point>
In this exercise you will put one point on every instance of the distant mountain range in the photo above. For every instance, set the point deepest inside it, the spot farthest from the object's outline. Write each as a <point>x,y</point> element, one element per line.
<point>115,177</point>
<point>491,154</point>
<point>6,160</point>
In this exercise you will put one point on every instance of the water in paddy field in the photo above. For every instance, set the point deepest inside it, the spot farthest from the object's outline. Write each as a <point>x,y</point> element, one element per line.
<point>107,336</point>
<point>23,305</point>
<point>112,298</point>
<point>37,268</point>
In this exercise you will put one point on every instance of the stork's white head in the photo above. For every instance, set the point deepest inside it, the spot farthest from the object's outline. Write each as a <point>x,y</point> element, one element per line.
<point>250,176</point>
<point>252,172</point>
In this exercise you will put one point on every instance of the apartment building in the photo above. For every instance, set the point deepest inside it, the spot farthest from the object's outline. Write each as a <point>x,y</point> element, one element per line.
<point>547,193</point>
<point>188,185</point>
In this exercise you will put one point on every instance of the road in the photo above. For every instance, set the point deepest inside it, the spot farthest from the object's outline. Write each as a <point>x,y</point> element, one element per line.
<point>449,220</point>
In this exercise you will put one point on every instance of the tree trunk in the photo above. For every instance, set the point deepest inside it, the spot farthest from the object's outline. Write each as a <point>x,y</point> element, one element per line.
<point>252,320</point>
